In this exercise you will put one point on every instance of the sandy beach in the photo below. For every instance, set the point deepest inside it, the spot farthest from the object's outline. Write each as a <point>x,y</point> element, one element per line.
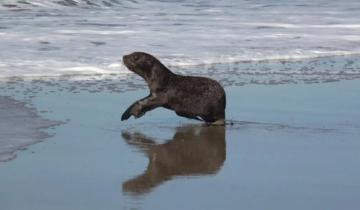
<point>292,146</point>
<point>290,70</point>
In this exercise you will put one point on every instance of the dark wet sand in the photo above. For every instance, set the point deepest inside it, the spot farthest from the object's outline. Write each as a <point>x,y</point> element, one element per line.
<point>290,147</point>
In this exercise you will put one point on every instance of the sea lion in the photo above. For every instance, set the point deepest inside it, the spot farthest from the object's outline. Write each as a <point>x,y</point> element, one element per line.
<point>197,98</point>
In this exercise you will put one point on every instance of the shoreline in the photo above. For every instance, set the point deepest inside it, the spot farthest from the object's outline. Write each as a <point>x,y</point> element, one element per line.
<point>266,72</point>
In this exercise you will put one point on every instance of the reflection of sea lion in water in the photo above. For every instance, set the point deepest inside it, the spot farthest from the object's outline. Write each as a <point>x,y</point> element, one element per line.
<point>191,97</point>
<point>193,150</point>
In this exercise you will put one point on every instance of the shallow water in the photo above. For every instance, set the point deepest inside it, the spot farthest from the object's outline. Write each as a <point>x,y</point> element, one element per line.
<point>290,147</point>
<point>51,37</point>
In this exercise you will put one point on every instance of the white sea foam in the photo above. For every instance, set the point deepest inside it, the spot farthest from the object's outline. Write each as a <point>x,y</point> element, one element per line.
<point>94,32</point>
<point>54,37</point>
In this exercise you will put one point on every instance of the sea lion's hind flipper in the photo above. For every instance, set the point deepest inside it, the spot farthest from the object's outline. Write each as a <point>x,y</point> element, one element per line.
<point>219,122</point>
<point>188,116</point>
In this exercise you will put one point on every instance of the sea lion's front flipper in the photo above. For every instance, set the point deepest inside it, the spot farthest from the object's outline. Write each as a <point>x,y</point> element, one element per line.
<point>136,110</point>
<point>140,107</point>
<point>127,114</point>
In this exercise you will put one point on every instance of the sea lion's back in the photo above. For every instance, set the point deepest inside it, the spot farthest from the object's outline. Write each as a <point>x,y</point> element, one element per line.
<point>198,96</point>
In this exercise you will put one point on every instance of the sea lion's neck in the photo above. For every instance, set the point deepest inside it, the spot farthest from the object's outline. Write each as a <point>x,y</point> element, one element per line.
<point>160,79</point>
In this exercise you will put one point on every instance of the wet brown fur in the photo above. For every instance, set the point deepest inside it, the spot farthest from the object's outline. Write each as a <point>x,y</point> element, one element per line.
<point>192,97</point>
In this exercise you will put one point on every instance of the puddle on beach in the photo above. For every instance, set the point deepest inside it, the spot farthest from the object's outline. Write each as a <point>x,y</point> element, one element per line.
<point>285,149</point>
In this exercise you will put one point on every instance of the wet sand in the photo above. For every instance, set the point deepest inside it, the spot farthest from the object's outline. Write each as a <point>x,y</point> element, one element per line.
<point>290,147</point>
<point>20,126</point>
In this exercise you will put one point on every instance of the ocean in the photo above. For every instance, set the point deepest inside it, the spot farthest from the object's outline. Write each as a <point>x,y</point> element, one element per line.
<point>76,37</point>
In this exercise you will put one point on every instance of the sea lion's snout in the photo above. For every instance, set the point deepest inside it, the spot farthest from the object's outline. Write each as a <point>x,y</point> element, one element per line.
<point>125,57</point>
<point>132,60</point>
<point>139,63</point>
<point>127,61</point>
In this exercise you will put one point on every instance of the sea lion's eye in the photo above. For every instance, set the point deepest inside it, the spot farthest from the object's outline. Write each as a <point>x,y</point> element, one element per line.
<point>136,57</point>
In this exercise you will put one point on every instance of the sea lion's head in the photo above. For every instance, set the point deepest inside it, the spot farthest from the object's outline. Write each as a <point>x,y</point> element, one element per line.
<point>141,63</point>
<point>149,68</point>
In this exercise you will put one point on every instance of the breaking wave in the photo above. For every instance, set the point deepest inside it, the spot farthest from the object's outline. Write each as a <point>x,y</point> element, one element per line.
<point>56,37</point>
